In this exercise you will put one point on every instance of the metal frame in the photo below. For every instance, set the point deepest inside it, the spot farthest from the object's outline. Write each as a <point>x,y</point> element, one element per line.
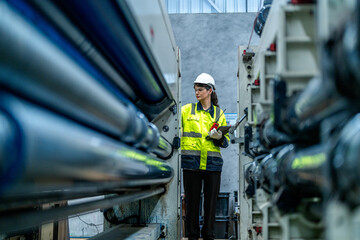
<point>285,26</point>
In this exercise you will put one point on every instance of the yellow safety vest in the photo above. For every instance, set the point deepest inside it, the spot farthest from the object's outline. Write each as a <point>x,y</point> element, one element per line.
<point>196,151</point>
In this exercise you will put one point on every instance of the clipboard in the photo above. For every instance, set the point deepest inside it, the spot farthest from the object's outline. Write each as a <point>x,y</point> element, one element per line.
<point>224,129</point>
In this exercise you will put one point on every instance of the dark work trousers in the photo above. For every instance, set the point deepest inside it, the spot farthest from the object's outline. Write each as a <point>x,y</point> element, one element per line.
<point>192,185</point>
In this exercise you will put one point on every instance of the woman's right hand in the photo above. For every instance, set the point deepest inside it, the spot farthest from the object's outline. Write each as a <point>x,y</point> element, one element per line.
<point>215,134</point>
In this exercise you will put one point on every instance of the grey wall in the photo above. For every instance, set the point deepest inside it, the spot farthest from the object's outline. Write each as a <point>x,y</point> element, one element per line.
<point>209,43</point>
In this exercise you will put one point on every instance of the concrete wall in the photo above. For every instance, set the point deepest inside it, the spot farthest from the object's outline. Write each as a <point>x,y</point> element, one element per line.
<point>86,225</point>
<point>209,43</point>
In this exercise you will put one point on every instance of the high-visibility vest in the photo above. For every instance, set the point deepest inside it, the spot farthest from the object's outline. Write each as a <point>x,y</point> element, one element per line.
<point>196,151</point>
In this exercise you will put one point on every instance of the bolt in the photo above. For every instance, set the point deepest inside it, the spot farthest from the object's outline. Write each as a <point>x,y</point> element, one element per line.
<point>165,128</point>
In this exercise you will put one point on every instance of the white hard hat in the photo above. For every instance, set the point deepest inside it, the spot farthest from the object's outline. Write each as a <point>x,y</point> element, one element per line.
<point>205,78</point>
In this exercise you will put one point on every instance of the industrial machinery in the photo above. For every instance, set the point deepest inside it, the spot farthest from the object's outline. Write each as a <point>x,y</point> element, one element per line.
<point>89,105</point>
<point>300,155</point>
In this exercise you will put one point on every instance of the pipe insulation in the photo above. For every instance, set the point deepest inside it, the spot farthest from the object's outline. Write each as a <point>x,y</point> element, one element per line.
<point>32,65</point>
<point>110,25</point>
<point>44,154</point>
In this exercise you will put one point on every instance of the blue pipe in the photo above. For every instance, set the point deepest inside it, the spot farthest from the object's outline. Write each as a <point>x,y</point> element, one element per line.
<point>34,67</point>
<point>46,29</point>
<point>105,24</point>
<point>57,155</point>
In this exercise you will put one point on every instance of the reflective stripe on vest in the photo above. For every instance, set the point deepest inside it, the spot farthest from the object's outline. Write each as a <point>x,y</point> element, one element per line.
<point>191,152</point>
<point>217,113</point>
<point>193,105</point>
<point>213,154</point>
<point>192,134</point>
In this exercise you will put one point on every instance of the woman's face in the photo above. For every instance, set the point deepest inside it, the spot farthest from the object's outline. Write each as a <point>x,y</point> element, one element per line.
<point>202,93</point>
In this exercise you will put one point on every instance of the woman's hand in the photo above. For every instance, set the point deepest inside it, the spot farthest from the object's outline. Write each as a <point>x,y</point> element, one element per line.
<point>215,134</point>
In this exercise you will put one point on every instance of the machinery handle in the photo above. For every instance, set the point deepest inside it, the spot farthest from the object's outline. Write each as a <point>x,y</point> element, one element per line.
<point>232,129</point>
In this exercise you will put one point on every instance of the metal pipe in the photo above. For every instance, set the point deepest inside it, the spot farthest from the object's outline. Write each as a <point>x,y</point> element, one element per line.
<point>55,157</point>
<point>83,44</point>
<point>308,109</point>
<point>344,53</point>
<point>8,143</point>
<point>269,137</point>
<point>302,179</point>
<point>293,176</point>
<point>318,101</point>
<point>300,170</point>
<point>163,150</point>
<point>303,170</point>
<point>63,85</point>
<point>270,178</point>
<point>14,221</point>
<point>112,31</point>
<point>345,168</point>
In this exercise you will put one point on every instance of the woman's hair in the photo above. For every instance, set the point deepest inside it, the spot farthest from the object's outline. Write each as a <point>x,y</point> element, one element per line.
<point>214,98</point>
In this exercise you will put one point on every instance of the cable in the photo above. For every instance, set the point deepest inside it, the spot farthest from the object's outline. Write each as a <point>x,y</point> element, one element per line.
<point>90,224</point>
<point>257,14</point>
<point>252,30</point>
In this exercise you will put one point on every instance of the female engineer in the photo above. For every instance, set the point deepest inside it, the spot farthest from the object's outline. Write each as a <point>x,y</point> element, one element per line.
<point>201,159</point>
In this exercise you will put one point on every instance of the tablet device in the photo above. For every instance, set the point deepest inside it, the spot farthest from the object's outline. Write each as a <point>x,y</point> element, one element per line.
<point>224,129</point>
